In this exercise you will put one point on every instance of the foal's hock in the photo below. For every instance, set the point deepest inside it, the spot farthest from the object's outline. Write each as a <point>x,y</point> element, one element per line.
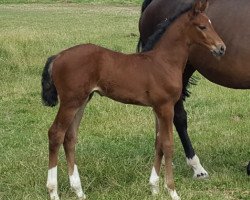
<point>153,78</point>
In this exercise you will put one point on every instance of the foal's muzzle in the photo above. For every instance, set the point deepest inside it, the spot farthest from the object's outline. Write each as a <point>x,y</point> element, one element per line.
<point>219,50</point>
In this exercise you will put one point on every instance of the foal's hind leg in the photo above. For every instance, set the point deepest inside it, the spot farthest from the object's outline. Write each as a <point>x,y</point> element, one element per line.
<point>56,135</point>
<point>69,148</point>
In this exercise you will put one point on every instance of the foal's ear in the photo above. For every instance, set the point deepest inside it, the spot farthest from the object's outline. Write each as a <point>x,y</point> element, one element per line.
<point>204,6</point>
<point>199,7</point>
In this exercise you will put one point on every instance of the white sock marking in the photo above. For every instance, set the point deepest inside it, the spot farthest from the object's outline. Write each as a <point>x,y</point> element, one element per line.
<point>154,182</point>
<point>174,195</point>
<point>199,171</point>
<point>75,183</point>
<point>52,183</point>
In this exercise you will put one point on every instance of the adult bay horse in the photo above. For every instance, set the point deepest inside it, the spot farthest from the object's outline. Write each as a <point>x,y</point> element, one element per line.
<point>153,78</point>
<point>231,19</point>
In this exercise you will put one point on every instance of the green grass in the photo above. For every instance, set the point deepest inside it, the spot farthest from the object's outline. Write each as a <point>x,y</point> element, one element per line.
<point>118,2</point>
<point>115,145</point>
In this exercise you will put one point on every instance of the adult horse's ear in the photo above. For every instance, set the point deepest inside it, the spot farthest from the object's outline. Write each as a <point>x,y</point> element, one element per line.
<point>204,6</point>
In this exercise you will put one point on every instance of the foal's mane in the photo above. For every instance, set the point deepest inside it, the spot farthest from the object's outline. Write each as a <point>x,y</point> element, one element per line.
<point>162,27</point>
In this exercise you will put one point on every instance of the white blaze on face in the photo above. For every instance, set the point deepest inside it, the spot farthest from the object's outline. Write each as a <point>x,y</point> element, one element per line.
<point>209,21</point>
<point>154,182</point>
<point>75,183</point>
<point>52,183</point>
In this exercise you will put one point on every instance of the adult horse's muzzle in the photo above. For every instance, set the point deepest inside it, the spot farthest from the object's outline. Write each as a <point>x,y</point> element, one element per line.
<point>219,50</point>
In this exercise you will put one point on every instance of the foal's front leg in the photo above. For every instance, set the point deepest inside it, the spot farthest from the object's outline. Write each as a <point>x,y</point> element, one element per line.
<point>154,177</point>
<point>164,146</point>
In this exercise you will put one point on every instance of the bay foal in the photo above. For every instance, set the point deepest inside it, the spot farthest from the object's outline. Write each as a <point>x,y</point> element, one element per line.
<point>153,78</point>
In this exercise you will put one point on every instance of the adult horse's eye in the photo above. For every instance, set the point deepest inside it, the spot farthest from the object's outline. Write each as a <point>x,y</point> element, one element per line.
<point>202,27</point>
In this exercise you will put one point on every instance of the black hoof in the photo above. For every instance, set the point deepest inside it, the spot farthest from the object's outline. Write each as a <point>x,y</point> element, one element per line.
<point>248,169</point>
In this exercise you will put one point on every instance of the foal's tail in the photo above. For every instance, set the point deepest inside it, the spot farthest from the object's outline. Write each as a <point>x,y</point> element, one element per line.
<point>49,93</point>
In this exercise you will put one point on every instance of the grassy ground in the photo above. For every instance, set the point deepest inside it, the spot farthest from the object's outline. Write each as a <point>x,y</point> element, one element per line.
<point>115,146</point>
<point>118,2</point>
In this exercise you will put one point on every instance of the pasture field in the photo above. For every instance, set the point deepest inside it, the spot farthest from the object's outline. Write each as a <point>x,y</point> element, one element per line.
<point>115,145</point>
<point>118,2</point>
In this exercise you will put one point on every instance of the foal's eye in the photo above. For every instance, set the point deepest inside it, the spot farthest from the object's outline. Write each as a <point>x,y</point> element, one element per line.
<point>202,27</point>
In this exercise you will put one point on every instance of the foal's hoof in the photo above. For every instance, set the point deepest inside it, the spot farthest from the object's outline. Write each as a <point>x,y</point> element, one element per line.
<point>83,197</point>
<point>55,197</point>
<point>155,189</point>
<point>173,194</point>
<point>175,197</point>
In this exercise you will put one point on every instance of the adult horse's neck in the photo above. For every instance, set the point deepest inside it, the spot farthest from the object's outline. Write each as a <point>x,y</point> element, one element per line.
<point>173,47</point>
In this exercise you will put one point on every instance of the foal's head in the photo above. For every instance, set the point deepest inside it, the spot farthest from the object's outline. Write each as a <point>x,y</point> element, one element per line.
<point>201,31</point>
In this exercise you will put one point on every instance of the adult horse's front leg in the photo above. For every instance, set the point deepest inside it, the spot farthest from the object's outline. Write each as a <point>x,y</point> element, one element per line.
<point>164,146</point>
<point>180,122</point>
<point>56,135</point>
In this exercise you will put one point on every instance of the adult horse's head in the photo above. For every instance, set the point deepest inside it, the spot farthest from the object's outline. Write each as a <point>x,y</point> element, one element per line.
<point>201,31</point>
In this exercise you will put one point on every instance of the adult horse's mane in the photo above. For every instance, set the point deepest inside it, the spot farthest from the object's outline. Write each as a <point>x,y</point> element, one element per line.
<point>156,36</point>
<point>161,28</point>
<point>145,5</point>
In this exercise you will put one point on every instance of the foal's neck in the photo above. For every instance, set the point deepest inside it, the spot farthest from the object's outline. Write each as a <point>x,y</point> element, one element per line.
<point>173,47</point>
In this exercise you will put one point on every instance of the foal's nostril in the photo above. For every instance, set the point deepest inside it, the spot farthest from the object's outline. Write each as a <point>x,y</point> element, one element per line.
<point>222,49</point>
